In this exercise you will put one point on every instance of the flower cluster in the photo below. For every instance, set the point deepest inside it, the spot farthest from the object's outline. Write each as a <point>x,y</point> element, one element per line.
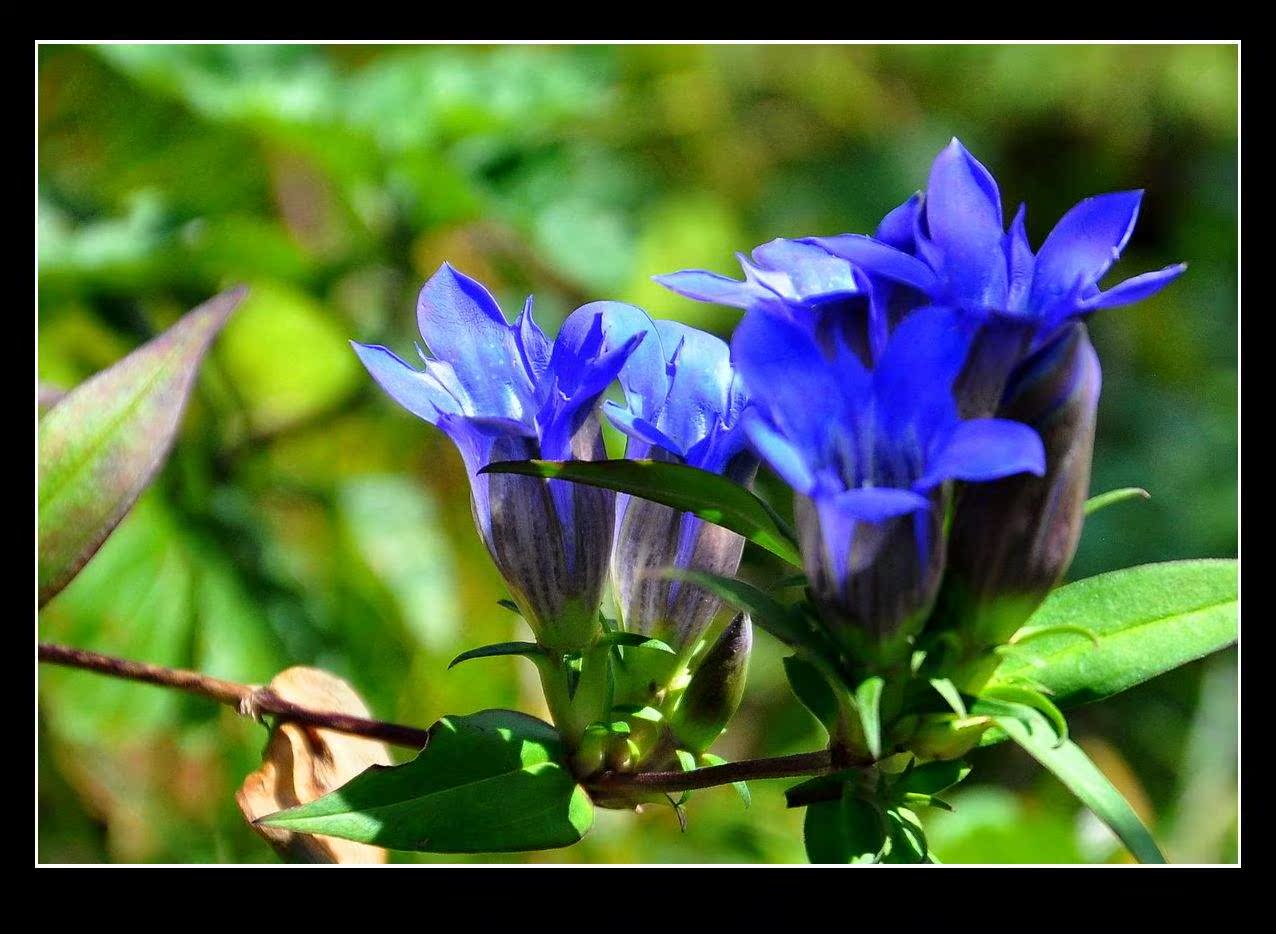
<point>929,393</point>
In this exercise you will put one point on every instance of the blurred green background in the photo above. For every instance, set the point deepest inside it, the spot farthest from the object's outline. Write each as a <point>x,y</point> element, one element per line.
<point>304,518</point>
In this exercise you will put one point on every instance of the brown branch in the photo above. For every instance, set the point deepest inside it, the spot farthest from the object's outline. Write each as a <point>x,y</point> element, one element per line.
<point>802,763</point>
<point>248,700</point>
<point>255,701</point>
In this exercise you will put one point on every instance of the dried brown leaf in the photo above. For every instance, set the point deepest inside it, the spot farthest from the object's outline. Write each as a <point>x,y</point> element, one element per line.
<point>302,763</point>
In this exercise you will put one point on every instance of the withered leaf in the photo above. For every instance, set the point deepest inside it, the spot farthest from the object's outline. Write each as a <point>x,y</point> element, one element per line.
<point>302,763</point>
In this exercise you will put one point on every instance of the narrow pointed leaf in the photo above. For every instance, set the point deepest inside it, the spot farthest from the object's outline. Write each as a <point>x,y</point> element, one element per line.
<point>710,496</point>
<point>1112,497</point>
<point>812,690</point>
<point>948,691</point>
<point>102,444</point>
<point>490,782</point>
<point>868,700</point>
<point>633,640</point>
<point>1082,777</point>
<point>783,622</point>
<point>741,787</point>
<point>1147,620</point>
<point>526,649</point>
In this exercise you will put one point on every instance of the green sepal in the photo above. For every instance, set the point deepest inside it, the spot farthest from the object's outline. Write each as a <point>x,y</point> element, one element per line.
<point>526,649</point>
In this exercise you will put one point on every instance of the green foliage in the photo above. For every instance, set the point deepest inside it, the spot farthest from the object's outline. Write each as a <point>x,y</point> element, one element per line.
<point>101,445</point>
<point>710,496</point>
<point>1135,624</point>
<point>492,782</point>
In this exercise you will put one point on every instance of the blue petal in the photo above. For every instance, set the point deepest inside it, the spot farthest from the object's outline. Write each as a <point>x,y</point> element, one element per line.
<point>463,325</point>
<point>896,228</point>
<point>1135,289</point>
<point>787,375</point>
<point>645,376</point>
<point>1083,245</point>
<point>984,449</point>
<point>913,381</point>
<point>810,271</point>
<point>881,259</point>
<point>532,343</point>
<point>700,376</point>
<point>710,287</point>
<point>586,359</point>
<point>785,458</point>
<point>422,394</point>
<point>963,216</point>
<point>638,429</point>
<point>1019,261</point>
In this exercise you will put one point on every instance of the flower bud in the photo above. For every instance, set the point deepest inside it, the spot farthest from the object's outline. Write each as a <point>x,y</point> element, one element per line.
<point>652,537</point>
<point>716,688</point>
<point>1013,539</point>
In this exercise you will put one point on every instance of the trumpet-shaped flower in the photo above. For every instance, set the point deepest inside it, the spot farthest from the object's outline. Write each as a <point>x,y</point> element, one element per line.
<point>868,452</point>
<point>503,391</point>
<point>683,403</point>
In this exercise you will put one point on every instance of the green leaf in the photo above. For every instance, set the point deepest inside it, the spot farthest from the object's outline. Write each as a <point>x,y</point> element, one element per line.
<point>104,442</point>
<point>1147,620</point>
<point>812,690</point>
<point>1016,694</point>
<point>1073,767</point>
<point>490,782</point>
<point>932,777</point>
<point>741,787</point>
<point>783,622</point>
<point>948,691</point>
<point>845,830</point>
<point>526,649</point>
<point>868,701</point>
<point>573,667</point>
<point>710,496</point>
<point>1112,497</point>
<point>634,640</point>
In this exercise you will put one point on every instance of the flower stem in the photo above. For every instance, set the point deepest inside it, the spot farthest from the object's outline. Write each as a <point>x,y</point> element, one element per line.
<point>802,763</point>
<point>248,700</point>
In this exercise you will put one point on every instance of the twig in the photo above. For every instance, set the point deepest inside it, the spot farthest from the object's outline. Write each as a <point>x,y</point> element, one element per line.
<point>802,763</point>
<point>255,701</point>
<point>248,700</point>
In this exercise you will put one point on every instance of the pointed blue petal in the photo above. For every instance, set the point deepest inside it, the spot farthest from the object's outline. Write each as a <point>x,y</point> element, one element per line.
<point>1083,245</point>
<point>963,216</point>
<point>420,393</point>
<point>700,376</point>
<point>709,287</point>
<point>881,259</point>
<point>462,324</point>
<point>532,343</point>
<point>896,228</point>
<point>1135,289</point>
<point>638,429</point>
<point>1019,261</point>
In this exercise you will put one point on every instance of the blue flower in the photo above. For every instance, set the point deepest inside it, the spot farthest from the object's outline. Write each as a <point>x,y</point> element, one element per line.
<point>869,452</point>
<point>958,252</point>
<point>684,403</point>
<point>502,391</point>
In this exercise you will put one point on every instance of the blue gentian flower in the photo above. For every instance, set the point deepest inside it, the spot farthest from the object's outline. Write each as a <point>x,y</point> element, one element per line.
<point>683,404</point>
<point>959,254</point>
<point>502,391</point>
<point>869,453</point>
